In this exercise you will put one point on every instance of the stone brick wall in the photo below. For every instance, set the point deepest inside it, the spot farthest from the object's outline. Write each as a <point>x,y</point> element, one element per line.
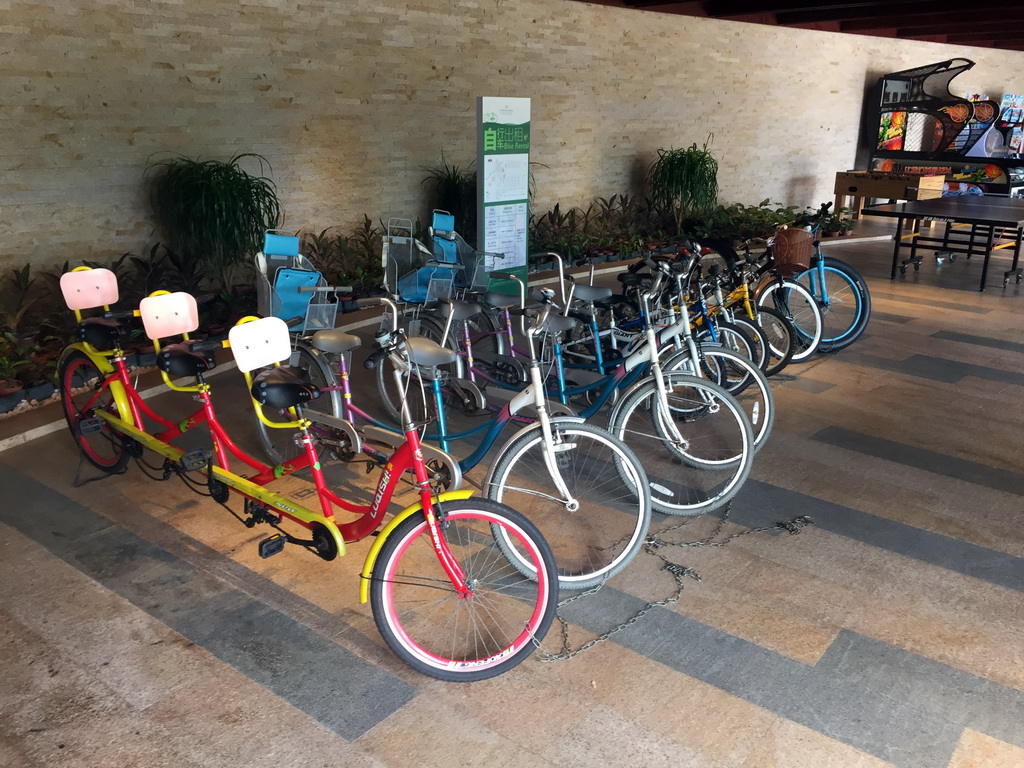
<point>350,101</point>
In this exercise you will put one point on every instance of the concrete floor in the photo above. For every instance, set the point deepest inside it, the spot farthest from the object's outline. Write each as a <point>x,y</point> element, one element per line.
<point>138,626</point>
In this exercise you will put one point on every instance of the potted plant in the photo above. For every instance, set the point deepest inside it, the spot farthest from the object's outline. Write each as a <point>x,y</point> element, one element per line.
<point>685,182</point>
<point>10,385</point>
<point>214,212</point>
<point>836,225</point>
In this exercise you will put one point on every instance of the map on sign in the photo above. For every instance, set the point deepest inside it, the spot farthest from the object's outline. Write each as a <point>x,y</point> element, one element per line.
<point>506,177</point>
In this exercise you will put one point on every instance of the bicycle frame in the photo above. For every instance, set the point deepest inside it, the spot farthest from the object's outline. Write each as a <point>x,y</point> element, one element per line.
<point>407,457</point>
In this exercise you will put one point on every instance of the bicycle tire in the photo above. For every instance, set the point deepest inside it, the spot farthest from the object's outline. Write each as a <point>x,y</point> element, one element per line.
<point>846,313</point>
<point>799,307</point>
<point>432,629</point>
<point>740,378</point>
<point>758,343</point>
<point>79,378</point>
<point>420,404</point>
<point>779,333</point>
<point>728,336</point>
<point>281,445</point>
<point>707,470</point>
<point>600,538</point>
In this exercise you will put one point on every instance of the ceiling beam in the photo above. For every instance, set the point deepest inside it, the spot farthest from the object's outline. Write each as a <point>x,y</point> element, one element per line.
<point>892,10</point>
<point>992,29</point>
<point>749,7</point>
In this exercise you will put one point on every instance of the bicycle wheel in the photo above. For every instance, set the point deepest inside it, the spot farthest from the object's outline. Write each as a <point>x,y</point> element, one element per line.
<point>758,343</point>
<point>697,447</point>
<point>281,445</point>
<point>81,396</point>
<point>729,336</point>
<point>779,333</point>
<point>799,307</point>
<point>740,378</point>
<point>597,531</point>
<point>415,382</point>
<point>844,301</point>
<point>435,631</point>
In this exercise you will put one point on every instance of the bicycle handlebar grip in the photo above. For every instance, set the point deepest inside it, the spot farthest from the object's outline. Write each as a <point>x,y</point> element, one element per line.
<point>826,206</point>
<point>374,359</point>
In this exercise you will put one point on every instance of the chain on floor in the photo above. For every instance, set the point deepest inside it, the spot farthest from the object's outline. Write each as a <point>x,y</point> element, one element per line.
<point>652,544</point>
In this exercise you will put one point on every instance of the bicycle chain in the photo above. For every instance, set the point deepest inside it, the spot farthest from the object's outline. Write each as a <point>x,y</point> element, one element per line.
<point>652,543</point>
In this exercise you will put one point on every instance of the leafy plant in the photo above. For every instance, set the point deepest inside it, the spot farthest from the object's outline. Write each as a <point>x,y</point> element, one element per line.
<point>9,366</point>
<point>212,212</point>
<point>685,181</point>
<point>836,223</point>
<point>16,297</point>
<point>742,222</point>
<point>454,190</point>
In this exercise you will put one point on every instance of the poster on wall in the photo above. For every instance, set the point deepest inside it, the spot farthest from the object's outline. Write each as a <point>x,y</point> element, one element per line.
<point>503,155</point>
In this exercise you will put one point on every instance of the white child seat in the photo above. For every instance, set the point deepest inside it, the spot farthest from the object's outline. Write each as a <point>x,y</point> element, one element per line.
<point>169,314</point>
<point>260,343</point>
<point>89,288</point>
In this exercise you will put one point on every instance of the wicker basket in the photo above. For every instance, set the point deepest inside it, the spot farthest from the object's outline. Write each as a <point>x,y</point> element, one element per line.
<point>792,250</point>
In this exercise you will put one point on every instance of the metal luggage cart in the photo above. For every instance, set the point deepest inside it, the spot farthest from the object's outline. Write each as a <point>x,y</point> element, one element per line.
<point>288,286</point>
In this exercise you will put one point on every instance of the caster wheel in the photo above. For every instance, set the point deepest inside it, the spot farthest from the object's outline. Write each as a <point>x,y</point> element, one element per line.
<point>917,267</point>
<point>952,258</point>
<point>1018,279</point>
<point>903,270</point>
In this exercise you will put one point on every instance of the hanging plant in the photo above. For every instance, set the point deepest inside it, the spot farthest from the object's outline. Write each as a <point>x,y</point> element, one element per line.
<point>214,213</point>
<point>686,182</point>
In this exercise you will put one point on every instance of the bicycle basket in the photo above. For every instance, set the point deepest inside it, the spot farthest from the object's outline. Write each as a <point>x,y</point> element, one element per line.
<point>792,250</point>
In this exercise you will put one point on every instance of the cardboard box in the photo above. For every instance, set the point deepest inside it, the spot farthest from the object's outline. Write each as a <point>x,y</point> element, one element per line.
<point>890,186</point>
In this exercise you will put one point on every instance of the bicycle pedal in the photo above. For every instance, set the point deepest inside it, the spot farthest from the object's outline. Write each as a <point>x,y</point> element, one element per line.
<point>90,426</point>
<point>194,460</point>
<point>271,545</point>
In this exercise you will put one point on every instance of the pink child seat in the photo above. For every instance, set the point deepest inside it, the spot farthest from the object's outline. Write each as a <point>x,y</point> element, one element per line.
<point>175,314</point>
<point>169,314</point>
<point>86,288</point>
<point>89,288</point>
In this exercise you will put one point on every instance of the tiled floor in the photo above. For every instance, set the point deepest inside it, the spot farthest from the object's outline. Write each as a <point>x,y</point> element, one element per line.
<point>138,626</point>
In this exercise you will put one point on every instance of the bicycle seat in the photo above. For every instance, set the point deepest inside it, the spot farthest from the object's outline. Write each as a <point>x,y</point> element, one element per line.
<point>423,351</point>
<point>283,387</point>
<point>101,332</point>
<point>335,342</point>
<point>179,360</point>
<point>501,300</point>
<point>558,324</point>
<point>591,292</point>
<point>633,279</point>
<point>461,310</point>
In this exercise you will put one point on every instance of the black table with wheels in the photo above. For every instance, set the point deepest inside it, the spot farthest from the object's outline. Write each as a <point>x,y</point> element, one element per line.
<point>981,216</point>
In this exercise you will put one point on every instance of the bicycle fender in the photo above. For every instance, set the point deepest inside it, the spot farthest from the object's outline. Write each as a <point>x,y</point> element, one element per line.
<point>104,366</point>
<point>371,556</point>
